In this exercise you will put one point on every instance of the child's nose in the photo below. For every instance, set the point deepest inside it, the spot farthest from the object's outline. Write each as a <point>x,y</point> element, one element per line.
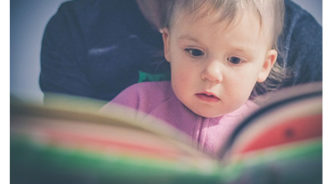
<point>212,72</point>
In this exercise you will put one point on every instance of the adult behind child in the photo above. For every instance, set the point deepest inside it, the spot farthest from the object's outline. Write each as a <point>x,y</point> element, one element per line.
<point>98,48</point>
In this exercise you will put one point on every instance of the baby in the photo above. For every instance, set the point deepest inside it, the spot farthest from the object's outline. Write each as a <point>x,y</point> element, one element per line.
<point>221,52</point>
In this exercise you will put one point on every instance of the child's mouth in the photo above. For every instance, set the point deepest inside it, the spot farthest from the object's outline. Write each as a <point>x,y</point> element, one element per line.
<point>208,97</point>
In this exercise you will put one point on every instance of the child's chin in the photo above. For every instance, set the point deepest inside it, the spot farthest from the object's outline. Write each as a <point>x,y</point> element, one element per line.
<point>209,114</point>
<point>212,115</point>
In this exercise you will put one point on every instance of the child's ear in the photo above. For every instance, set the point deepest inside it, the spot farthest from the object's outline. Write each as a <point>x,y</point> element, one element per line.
<point>270,60</point>
<point>166,42</point>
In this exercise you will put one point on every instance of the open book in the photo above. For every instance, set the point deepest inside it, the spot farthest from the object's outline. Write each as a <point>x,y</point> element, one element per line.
<point>70,141</point>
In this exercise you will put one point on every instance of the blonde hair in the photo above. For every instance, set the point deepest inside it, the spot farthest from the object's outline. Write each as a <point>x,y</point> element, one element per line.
<point>228,9</point>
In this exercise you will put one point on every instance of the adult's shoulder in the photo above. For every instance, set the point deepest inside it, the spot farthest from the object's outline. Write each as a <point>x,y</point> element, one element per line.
<point>299,23</point>
<point>86,6</point>
<point>294,14</point>
<point>101,22</point>
<point>300,26</point>
<point>301,45</point>
<point>86,12</point>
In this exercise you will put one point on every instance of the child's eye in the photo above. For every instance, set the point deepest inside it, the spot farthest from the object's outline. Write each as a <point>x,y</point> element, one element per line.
<point>235,60</point>
<point>194,52</point>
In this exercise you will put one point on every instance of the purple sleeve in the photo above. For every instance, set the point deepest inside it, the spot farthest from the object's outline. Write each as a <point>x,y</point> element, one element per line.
<point>144,96</point>
<point>128,97</point>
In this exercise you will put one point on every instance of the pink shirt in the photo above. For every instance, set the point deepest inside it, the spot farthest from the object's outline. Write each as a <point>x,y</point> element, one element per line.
<point>158,100</point>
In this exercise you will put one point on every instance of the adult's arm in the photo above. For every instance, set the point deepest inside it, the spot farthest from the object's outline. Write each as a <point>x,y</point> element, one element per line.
<point>97,48</point>
<point>301,46</point>
<point>63,49</point>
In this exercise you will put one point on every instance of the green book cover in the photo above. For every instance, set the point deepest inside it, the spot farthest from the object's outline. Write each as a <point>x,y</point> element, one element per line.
<point>70,141</point>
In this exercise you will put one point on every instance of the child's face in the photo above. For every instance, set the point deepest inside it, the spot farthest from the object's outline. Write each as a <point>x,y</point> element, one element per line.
<point>213,67</point>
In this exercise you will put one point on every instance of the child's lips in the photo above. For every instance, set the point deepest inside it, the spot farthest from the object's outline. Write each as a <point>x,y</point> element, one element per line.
<point>207,97</point>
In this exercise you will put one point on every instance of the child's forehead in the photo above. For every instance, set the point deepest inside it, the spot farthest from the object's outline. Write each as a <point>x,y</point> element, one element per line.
<point>244,28</point>
<point>227,13</point>
<point>209,23</point>
<point>215,16</point>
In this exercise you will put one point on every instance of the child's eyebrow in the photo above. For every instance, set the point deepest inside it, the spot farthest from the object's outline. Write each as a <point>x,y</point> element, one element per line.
<point>188,37</point>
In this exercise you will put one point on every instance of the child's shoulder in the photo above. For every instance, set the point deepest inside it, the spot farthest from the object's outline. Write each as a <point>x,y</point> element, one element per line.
<point>244,110</point>
<point>145,96</point>
<point>147,91</point>
<point>150,87</point>
<point>153,84</point>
